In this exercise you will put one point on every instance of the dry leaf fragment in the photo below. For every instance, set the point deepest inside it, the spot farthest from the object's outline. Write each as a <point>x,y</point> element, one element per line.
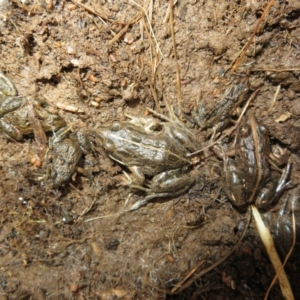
<point>69,107</point>
<point>283,117</point>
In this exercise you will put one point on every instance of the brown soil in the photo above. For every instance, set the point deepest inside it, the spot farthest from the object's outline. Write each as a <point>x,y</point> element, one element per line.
<point>103,59</point>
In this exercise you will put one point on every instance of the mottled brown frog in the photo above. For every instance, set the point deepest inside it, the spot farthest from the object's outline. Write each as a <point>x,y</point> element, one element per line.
<point>14,123</point>
<point>219,117</point>
<point>156,154</point>
<point>65,151</point>
<point>247,177</point>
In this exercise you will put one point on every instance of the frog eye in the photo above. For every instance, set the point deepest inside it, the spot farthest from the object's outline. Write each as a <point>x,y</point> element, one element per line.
<point>109,146</point>
<point>245,130</point>
<point>263,129</point>
<point>115,126</point>
<point>172,158</point>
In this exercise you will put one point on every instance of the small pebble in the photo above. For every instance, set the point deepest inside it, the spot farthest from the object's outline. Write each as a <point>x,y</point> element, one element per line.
<point>257,254</point>
<point>71,6</point>
<point>74,288</point>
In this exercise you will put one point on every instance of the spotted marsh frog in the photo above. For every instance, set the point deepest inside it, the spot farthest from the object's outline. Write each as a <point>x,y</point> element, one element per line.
<point>284,226</point>
<point>247,177</point>
<point>219,117</point>
<point>65,148</point>
<point>151,153</point>
<point>14,122</point>
<point>65,151</point>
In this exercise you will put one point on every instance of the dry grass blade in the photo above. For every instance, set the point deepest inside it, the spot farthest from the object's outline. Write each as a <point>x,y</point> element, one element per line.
<point>268,242</point>
<point>103,16</point>
<point>274,98</point>
<point>135,19</point>
<point>241,56</point>
<point>155,51</point>
<point>149,24</point>
<point>178,81</point>
<point>275,70</point>
<point>91,10</point>
<point>155,59</point>
<point>166,18</point>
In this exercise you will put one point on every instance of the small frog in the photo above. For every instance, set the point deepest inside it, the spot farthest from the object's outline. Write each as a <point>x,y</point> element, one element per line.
<point>14,122</point>
<point>219,117</point>
<point>64,154</point>
<point>156,153</point>
<point>7,88</point>
<point>247,176</point>
<point>284,226</point>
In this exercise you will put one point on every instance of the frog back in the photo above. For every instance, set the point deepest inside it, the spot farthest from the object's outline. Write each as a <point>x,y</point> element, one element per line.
<point>153,152</point>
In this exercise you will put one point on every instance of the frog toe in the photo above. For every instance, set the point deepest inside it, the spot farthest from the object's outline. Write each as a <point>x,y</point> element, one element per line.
<point>138,204</point>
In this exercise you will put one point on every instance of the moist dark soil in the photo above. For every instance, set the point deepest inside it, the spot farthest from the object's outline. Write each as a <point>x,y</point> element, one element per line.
<point>95,62</point>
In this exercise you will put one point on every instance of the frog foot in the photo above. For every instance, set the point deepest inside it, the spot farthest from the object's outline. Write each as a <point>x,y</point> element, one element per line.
<point>132,185</point>
<point>275,189</point>
<point>284,183</point>
<point>148,123</point>
<point>144,201</point>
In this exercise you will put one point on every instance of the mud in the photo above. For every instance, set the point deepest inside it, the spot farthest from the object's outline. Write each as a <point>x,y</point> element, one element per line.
<point>96,61</point>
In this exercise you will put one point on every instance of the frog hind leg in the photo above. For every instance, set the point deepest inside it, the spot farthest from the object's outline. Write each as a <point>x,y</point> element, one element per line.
<point>147,199</point>
<point>161,187</point>
<point>273,190</point>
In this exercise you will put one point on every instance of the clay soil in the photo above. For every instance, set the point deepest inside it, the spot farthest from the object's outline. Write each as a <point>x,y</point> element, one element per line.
<point>95,61</point>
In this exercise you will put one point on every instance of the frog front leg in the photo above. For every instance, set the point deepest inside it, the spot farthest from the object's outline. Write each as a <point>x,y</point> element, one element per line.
<point>284,226</point>
<point>63,156</point>
<point>138,177</point>
<point>166,184</point>
<point>234,184</point>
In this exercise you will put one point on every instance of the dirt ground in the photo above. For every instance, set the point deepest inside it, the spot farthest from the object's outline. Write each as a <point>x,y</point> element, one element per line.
<point>95,61</point>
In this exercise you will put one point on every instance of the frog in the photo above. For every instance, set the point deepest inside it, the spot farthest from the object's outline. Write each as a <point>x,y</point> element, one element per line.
<point>7,88</point>
<point>220,115</point>
<point>283,227</point>
<point>150,152</point>
<point>63,156</point>
<point>247,177</point>
<point>14,123</point>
